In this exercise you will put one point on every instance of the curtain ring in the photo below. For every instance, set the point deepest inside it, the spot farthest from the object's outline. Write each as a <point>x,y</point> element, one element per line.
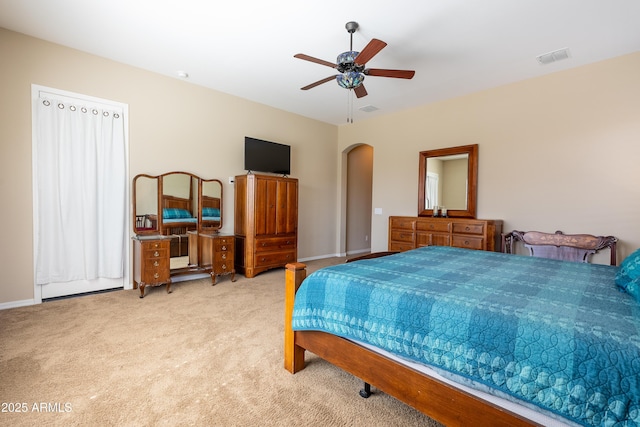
<point>61,106</point>
<point>46,102</point>
<point>105,113</point>
<point>116,115</point>
<point>95,112</point>
<point>72,108</point>
<point>83,109</point>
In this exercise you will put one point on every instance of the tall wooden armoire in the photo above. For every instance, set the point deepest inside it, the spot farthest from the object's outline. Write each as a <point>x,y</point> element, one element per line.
<point>265,222</point>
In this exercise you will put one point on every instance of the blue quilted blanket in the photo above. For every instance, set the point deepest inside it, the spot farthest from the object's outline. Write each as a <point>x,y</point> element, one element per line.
<point>556,334</point>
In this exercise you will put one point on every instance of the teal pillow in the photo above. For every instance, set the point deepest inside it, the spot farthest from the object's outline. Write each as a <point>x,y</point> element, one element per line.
<point>633,288</point>
<point>628,275</point>
<point>210,212</point>
<point>175,213</point>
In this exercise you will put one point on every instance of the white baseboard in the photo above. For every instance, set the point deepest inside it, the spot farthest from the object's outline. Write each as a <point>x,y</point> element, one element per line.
<point>339,255</point>
<point>359,251</point>
<point>312,258</point>
<point>16,304</point>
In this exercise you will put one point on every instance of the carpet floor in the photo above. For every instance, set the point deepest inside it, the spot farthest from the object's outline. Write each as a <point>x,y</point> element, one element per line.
<point>201,356</point>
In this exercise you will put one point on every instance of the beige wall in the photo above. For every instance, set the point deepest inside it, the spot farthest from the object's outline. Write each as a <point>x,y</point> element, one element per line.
<point>174,125</point>
<point>558,152</point>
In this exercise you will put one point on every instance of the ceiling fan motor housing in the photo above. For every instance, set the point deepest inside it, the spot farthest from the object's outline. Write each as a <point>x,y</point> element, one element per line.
<point>346,62</point>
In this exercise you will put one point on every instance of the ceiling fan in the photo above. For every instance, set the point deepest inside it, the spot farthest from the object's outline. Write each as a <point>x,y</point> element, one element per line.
<point>351,65</point>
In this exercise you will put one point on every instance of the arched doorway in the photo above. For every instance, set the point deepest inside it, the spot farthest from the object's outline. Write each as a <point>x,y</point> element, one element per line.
<point>358,200</point>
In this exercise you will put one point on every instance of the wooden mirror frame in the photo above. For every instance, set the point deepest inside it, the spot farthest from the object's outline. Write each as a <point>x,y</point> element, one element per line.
<point>472,180</point>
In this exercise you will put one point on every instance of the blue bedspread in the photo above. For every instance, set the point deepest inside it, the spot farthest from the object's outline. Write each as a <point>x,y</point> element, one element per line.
<point>557,334</point>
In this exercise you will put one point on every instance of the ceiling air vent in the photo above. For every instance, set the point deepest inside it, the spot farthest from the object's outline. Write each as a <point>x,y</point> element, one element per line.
<point>368,108</point>
<point>556,55</point>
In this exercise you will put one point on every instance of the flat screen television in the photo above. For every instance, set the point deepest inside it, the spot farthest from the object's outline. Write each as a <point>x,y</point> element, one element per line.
<point>265,156</point>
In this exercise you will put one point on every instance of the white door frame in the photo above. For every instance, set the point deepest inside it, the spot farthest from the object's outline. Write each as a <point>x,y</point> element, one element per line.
<point>82,286</point>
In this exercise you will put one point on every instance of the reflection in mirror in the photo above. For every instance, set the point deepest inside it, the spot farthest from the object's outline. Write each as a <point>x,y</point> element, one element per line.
<point>145,196</point>
<point>448,177</point>
<point>447,182</point>
<point>211,201</point>
<point>179,204</point>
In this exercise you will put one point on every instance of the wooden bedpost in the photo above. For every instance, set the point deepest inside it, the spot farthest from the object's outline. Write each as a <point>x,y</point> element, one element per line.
<point>293,355</point>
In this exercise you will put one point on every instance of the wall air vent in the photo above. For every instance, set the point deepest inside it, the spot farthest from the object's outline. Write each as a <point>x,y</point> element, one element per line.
<point>556,55</point>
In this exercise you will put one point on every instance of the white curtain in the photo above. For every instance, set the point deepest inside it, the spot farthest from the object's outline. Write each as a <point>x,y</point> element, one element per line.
<point>432,190</point>
<point>80,185</point>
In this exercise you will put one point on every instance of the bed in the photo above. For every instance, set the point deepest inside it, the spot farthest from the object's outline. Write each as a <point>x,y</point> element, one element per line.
<point>503,339</point>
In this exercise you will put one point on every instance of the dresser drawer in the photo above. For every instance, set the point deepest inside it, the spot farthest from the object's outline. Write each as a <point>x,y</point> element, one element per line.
<point>155,254</point>
<point>224,247</point>
<point>269,244</point>
<point>401,236</point>
<point>156,244</point>
<point>441,226</point>
<point>223,267</point>
<point>402,223</point>
<point>432,239</point>
<point>469,228</point>
<point>225,240</point>
<point>223,256</point>
<point>398,246</point>
<point>155,270</point>
<point>274,258</point>
<point>468,242</point>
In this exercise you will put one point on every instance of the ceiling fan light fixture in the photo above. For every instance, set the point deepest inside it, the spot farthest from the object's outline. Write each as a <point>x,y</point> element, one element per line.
<point>350,79</point>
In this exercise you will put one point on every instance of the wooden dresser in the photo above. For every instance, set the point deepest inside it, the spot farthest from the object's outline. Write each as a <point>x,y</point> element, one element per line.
<point>218,253</point>
<point>151,262</point>
<point>266,222</point>
<point>408,232</point>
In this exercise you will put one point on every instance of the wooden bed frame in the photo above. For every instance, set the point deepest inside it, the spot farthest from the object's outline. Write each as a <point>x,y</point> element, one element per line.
<point>434,398</point>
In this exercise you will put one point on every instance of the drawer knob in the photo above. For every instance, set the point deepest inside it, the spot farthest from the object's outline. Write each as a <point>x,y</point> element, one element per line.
<point>224,266</point>
<point>264,244</point>
<point>431,226</point>
<point>224,248</point>
<point>466,242</point>
<point>467,228</point>
<point>156,253</point>
<point>155,276</point>
<point>157,245</point>
<point>224,256</point>
<point>155,263</point>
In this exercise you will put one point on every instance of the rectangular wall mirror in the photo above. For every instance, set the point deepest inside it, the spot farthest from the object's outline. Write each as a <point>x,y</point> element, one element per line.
<point>448,177</point>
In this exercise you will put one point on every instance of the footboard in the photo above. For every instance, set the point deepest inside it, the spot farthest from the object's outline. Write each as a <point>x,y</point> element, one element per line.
<point>436,399</point>
<point>293,354</point>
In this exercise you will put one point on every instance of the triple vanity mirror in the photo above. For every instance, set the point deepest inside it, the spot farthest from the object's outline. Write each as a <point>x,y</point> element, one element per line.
<point>448,177</point>
<point>181,206</point>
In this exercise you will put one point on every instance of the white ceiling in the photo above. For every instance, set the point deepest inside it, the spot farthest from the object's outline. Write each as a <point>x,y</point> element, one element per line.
<point>246,47</point>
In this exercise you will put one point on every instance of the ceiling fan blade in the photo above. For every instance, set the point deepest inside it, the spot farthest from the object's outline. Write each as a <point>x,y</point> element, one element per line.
<point>398,74</point>
<point>316,60</point>
<point>360,91</point>
<point>369,51</point>
<point>318,83</point>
